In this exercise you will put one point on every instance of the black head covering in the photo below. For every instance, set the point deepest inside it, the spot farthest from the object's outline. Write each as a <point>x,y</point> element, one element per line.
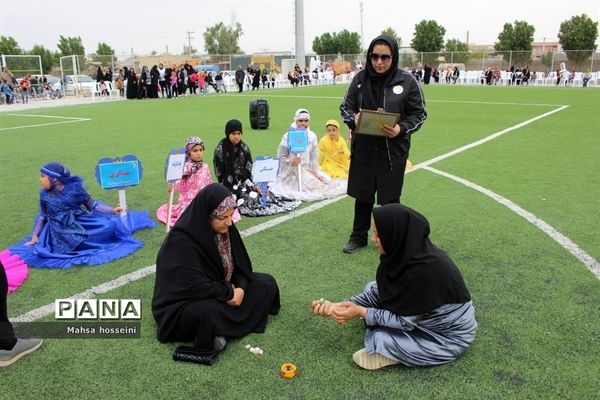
<point>231,126</point>
<point>229,149</point>
<point>188,264</point>
<point>414,276</point>
<point>195,224</point>
<point>375,83</point>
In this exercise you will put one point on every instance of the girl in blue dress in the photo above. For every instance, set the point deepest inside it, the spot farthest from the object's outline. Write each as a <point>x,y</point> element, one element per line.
<point>74,229</point>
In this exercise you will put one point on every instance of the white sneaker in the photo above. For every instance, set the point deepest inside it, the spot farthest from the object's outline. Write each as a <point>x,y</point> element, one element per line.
<point>22,347</point>
<point>371,361</point>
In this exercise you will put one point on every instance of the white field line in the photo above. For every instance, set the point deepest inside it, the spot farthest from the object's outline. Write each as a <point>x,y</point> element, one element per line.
<point>486,139</point>
<point>554,234</point>
<point>69,120</point>
<point>46,116</point>
<point>145,271</point>
<point>149,270</point>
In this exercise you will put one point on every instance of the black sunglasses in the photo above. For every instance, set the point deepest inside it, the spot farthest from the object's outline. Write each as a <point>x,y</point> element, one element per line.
<point>383,57</point>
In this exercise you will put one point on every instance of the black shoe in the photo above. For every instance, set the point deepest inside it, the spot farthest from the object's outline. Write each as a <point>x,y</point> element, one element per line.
<point>192,354</point>
<point>352,246</point>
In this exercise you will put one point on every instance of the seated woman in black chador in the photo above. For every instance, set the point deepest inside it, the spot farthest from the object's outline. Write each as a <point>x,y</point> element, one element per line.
<point>205,290</point>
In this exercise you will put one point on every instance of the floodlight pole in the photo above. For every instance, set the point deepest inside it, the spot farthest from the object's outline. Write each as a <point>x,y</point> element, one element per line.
<point>300,34</point>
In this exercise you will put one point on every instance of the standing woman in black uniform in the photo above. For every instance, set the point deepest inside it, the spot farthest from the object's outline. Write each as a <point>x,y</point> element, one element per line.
<point>377,163</point>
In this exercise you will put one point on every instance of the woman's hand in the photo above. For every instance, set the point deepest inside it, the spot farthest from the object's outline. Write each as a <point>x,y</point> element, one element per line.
<point>34,240</point>
<point>391,131</point>
<point>323,308</point>
<point>347,311</point>
<point>117,210</point>
<point>238,297</point>
<point>296,161</point>
<point>170,187</point>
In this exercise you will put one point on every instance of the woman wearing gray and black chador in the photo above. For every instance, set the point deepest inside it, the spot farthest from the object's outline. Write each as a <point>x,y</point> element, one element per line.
<point>418,311</point>
<point>377,163</point>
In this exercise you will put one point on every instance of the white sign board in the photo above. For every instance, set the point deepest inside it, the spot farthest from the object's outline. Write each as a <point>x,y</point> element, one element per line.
<point>265,170</point>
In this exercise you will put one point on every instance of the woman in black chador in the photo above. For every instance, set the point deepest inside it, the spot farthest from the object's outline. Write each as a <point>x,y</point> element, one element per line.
<point>205,291</point>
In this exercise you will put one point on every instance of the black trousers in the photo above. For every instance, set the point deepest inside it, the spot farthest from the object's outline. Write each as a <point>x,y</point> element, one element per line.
<point>362,221</point>
<point>7,335</point>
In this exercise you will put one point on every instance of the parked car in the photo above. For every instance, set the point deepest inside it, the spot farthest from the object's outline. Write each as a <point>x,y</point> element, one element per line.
<point>79,82</point>
<point>53,81</point>
<point>53,85</point>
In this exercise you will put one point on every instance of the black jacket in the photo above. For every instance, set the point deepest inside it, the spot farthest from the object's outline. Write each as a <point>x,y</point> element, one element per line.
<point>377,163</point>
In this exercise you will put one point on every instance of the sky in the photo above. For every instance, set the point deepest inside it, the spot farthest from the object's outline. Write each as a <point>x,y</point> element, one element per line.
<point>144,26</point>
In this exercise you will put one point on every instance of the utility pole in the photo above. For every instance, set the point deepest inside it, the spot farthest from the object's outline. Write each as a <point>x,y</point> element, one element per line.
<point>362,33</point>
<point>189,38</point>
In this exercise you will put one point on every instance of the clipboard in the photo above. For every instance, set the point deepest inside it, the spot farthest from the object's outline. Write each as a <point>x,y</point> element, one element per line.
<point>370,122</point>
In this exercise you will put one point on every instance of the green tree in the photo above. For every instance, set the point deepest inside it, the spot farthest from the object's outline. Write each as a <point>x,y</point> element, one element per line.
<point>47,56</point>
<point>8,45</point>
<point>104,50</point>
<point>578,37</point>
<point>428,37</point>
<point>460,50</point>
<point>392,33</point>
<point>547,59</point>
<point>69,46</point>
<point>324,44</point>
<point>515,42</point>
<point>104,53</point>
<point>456,45</point>
<point>221,39</point>
<point>348,42</point>
<point>344,42</point>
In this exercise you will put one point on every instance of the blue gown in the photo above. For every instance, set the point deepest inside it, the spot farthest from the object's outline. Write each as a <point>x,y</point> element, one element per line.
<point>74,235</point>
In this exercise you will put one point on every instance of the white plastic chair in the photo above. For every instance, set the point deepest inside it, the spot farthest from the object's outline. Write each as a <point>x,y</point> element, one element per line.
<point>551,78</point>
<point>112,92</point>
<point>578,79</point>
<point>539,79</point>
<point>95,90</point>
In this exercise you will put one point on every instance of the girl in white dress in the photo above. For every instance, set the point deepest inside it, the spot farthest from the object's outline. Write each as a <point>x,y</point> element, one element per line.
<point>314,184</point>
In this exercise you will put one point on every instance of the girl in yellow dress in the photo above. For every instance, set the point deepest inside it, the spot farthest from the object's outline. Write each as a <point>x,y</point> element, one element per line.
<point>334,156</point>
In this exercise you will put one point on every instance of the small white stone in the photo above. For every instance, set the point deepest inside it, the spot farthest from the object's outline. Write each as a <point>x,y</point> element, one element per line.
<point>252,349</point>
<point>248,346</point>
<point>260,351</point>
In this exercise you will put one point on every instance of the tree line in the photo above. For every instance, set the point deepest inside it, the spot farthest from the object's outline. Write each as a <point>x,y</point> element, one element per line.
<point>515,41</point>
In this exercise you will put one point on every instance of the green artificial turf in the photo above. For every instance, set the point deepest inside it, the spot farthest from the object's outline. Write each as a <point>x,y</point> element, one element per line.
<point>536,304</point>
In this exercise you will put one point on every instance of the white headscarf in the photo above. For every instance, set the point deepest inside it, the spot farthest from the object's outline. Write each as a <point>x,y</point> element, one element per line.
<point>301,113</point>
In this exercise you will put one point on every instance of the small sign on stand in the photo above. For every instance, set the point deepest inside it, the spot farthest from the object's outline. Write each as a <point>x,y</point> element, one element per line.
<point>298,143</point>
<point>264,171</point>
<point>173,173</point>
<point>119,173</point>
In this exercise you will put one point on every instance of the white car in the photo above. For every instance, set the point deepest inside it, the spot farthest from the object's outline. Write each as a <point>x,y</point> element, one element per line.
<point>79,83</point>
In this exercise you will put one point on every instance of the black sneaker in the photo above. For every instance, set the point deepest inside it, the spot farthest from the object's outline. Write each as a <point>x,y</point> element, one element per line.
<point>22,347</point>
<point>352,246</point>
